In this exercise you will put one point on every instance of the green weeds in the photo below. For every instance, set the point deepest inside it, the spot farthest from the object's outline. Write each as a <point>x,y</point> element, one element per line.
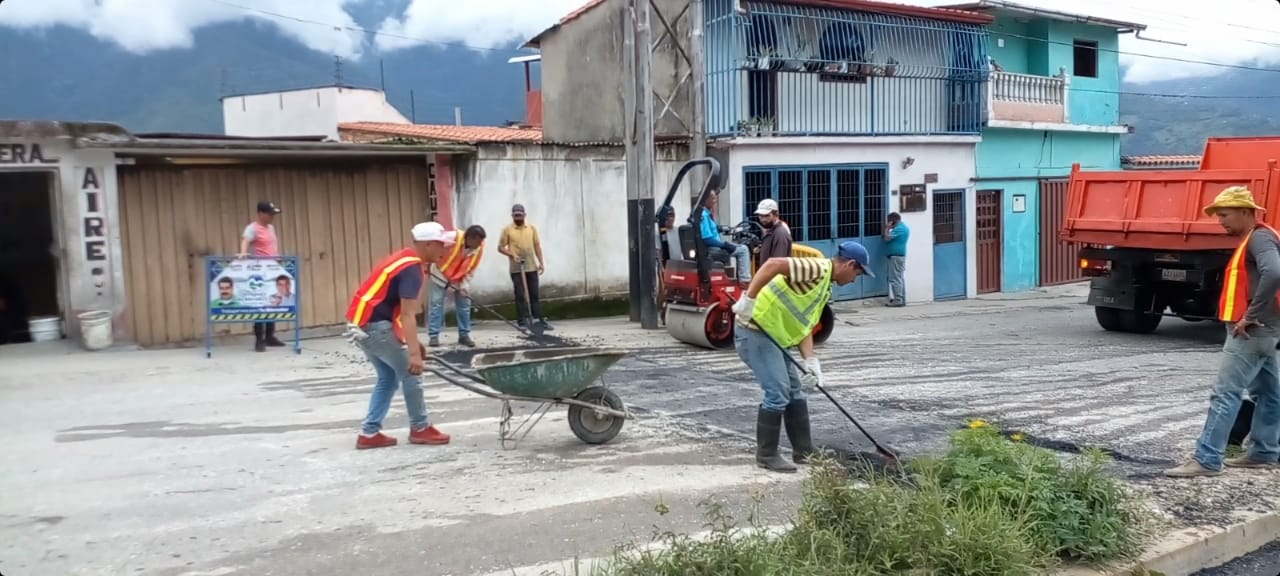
<point>988,507</point>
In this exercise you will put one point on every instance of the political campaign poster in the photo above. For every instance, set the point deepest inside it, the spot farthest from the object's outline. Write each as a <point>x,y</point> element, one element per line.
<point>253,289</point>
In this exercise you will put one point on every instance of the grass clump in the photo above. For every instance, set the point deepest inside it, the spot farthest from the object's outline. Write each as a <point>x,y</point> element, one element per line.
<point>988,507</point>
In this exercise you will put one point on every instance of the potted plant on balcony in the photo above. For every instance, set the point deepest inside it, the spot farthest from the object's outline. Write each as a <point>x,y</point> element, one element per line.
<point>748,127</point>
<point>765,127</point>
<point>864,67</point>
<point>890,67</point>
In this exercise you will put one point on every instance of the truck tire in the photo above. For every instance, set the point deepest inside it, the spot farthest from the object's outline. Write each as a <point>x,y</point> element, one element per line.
<point>1139,323</point>
<point>1110,319</point>
<point>1113,320</point>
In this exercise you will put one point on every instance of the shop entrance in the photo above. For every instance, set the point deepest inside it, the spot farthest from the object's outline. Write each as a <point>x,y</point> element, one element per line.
<point>29,263</point>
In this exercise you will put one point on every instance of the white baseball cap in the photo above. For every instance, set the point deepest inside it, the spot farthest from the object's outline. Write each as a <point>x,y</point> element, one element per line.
<point>433,232</point>
<point>767,206</point>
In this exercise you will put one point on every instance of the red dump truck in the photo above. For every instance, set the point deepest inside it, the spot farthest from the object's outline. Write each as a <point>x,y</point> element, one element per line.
<point>1146,244</point>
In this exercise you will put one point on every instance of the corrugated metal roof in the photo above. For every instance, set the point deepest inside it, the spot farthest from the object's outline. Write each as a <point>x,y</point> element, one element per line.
<point>946,14</point>
<point>1046,13</point>
<point>443,132</point>
<point>1161,161</point>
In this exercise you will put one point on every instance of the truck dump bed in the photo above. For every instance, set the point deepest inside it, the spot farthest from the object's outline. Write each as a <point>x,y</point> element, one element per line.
<point>1163,210</point>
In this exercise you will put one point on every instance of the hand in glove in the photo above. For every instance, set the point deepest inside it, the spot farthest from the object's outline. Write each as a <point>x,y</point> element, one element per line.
<point>743,308</point>
<point>813,369</point>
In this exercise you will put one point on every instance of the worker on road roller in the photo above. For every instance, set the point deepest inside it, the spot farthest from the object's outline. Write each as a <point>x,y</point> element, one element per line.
<point>792,293</point>
<point>722,250</point>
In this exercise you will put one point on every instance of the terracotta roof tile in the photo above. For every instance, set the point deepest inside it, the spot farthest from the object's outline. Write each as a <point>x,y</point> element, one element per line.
<point>438,132</point>
<point>1155,161</point>
<point>946,14</point>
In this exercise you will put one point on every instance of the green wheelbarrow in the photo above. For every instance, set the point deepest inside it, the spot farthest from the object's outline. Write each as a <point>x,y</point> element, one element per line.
<point>547,377</point>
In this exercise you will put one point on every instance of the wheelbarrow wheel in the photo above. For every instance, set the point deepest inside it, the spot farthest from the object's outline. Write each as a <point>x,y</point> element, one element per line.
<point>591,426</point>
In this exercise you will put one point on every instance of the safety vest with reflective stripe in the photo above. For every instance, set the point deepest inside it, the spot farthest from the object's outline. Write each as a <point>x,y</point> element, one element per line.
<point>457,266</point>
<point>1235,281</point>
<point>787,315</point>
<point>374,289</point>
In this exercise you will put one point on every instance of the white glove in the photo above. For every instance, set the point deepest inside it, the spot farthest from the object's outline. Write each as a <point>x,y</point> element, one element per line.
<point>743,308</point>
<point>813,378</point>
<point>354,334</point>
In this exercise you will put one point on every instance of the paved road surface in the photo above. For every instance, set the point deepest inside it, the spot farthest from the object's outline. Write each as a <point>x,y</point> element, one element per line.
<point>165,463</point>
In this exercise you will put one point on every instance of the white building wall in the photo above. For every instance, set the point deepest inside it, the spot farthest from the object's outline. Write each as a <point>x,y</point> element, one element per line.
<point>309,112</point>
<point>951,158</point>
<point>577,198</point>
<point>86,224</point>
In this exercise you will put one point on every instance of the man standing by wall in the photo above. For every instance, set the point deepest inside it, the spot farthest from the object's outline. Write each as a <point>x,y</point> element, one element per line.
<point>777,235</point>
<point>521,244</point>
<point>455,273</point>
<point>1250,309</point>
<point>721,249</point>
<point>896,235</point>
<point>381,321</point>
<point>259,240</point>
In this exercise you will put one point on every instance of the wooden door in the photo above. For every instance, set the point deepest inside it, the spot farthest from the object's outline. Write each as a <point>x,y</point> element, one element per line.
<point>990,238</point>
<point>1058,262</point>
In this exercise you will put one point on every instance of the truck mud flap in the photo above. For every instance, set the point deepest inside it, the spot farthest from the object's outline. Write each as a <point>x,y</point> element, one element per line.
<point>1110,297</point>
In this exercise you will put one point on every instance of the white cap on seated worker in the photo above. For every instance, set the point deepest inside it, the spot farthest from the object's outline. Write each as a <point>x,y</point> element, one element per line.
<point>766,207</point>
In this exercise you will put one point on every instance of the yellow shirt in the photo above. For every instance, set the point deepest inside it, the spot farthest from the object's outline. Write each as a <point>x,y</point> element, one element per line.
<point>521,241</point>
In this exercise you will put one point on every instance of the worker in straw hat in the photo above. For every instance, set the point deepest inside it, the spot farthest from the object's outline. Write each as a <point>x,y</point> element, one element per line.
<point>1250,307</point>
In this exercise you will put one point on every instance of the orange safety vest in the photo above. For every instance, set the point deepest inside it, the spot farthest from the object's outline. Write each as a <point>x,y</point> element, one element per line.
<point>456,267</point>
<point>374,289</point>
<point>1235,282</point>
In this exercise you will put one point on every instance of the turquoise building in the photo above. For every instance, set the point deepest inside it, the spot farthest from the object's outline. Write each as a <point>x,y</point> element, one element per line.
<point>1053,101</point>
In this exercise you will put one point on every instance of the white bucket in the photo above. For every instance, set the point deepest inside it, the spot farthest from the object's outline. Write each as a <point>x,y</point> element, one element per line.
<point>45,328</point>
<point>95,329</point>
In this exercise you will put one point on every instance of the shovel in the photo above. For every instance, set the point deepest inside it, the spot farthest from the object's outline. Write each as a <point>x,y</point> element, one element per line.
<point>491,311</point>
<point>884,452</point>
<point>534,326</point>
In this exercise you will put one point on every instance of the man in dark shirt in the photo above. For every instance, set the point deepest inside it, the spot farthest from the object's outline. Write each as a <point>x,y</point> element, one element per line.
<point>777,235</point>
<point>1250,309</point>
<point>382,323</point>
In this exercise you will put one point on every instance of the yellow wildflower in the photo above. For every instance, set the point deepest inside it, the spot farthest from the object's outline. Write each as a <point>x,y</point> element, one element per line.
<point>975,424</point>
<point>1017,437</point>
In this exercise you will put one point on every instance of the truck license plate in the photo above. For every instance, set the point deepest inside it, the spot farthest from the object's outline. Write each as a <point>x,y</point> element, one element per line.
<point>1173,275</point>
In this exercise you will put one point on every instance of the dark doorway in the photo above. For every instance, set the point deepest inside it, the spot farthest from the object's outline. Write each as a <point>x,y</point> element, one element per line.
<point>28,253</point>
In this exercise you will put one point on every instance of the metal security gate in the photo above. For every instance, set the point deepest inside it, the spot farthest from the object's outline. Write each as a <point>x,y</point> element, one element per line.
<point>339,220</point>
<point>950,256</point>
<point>1057,258</point>
<point>806,197</point>
<point>990,238</point>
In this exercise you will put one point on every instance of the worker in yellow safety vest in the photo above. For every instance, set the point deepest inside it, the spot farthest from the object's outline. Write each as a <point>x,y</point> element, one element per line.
<point>784,302</point>
<point>455,273</point>
<point>1251,310</point>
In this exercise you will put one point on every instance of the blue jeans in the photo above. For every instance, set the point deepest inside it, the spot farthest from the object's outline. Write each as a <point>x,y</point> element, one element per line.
<point>778,379</point>
<point>461,304</point>
<point>391,361</point>
<point>741,257</point>
<point>897,279</point>
<point>1246,365</point>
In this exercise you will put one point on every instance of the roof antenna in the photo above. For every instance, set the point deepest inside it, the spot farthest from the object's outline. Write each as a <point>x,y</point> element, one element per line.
<point>337,70</point>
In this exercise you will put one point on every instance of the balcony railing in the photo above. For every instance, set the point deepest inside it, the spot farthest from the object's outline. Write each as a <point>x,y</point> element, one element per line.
<point>1029,98</point>
<point>776,69</point>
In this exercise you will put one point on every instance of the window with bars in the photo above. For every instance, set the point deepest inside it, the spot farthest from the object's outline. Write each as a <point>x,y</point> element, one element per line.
<point>948,216</point>
<point>822,203</point>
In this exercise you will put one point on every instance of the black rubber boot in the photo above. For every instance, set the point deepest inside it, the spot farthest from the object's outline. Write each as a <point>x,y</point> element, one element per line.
<point>768,430</point>
<point>796,420</point>
<point>259,339</point>
<point>270,332</point>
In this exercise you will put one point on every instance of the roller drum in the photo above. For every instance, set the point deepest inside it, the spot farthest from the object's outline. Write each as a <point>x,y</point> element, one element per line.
<point>708,327</point>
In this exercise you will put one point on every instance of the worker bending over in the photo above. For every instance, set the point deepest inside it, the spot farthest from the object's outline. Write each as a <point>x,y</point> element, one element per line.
<point>455,273</point>
<point>720,249</point>
<point>381,322</point>
<point>785,302</point>
<point>1251,311</point>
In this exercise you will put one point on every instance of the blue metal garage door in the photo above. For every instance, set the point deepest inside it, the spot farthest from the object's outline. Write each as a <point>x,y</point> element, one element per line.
<point>826,205</point>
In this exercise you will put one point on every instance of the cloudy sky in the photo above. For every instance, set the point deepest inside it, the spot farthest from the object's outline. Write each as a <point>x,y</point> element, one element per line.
<point>1233,32</point>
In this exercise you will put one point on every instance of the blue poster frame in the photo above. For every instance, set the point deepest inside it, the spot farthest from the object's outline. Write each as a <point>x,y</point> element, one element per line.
<point>214,265</point>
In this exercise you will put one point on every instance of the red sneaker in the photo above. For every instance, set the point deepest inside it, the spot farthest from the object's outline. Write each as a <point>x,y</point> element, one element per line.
<point>428,435</point>
<point>378,440</point>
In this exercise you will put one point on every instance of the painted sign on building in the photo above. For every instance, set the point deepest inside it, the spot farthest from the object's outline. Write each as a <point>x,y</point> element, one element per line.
<point>24,154</point>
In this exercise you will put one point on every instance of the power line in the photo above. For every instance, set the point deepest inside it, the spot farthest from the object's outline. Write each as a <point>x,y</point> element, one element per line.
<point>1164,95</point>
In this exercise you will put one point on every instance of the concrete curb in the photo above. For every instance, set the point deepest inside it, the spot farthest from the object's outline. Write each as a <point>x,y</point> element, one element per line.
<point>1191,550</point>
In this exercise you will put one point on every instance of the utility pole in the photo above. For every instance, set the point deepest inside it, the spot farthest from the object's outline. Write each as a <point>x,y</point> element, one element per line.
<point>337,70</point>
<point>640,165</point>
<point>457,115</point>
<point>697,91</point>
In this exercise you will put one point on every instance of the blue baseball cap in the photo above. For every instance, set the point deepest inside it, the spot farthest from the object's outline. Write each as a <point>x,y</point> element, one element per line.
<point>851,250</point>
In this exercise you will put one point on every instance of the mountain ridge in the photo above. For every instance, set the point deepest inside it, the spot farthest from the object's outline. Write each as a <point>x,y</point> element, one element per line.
<point>66,74</point>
